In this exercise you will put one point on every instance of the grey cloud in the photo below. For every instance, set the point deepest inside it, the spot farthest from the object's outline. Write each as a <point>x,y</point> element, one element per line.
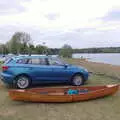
<point>82,40</point>
<point>11,6</point>
<point>52,16</point>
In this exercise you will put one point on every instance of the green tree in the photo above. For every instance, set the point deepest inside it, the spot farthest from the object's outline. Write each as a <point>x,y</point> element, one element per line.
<point>31,49</point>
<point>40,49</point>
<point>19,43</point>
<point>66,51</point>
<point>3,49</point>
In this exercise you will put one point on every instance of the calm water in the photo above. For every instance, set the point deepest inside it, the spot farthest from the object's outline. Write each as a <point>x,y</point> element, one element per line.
<point>110,58</point>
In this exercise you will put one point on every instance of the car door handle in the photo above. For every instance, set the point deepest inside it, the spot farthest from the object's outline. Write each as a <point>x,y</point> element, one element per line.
<point>30,68</point>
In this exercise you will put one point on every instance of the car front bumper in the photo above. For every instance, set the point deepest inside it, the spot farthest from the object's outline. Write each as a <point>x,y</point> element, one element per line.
<point>86,75</point>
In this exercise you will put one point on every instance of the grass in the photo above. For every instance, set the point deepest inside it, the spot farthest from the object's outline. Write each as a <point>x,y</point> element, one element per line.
<point>107,108</point>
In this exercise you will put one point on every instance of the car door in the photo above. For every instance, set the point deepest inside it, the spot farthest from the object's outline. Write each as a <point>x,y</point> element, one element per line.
<point>39,69</point>
<point>60,71</point>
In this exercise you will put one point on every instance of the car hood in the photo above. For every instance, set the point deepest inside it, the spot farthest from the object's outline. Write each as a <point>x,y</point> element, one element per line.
<point>78,67</point>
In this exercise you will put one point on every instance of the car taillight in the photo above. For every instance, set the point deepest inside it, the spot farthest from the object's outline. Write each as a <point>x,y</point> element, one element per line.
<point>4,68</point>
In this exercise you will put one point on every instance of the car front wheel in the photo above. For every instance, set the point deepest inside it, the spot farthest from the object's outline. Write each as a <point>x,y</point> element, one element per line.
<point>77,80</point>
<point>22,82</point>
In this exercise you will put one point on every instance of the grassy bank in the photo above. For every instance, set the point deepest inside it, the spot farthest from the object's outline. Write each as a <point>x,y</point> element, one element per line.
<point>107,70</point>
<point>107,108</point>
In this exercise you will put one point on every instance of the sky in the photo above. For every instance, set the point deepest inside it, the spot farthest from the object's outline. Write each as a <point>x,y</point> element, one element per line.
<point>79,23</point>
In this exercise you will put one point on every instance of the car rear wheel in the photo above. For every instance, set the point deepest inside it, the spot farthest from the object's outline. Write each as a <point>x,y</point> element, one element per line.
<point>22,82</point>
<point>77,80</point>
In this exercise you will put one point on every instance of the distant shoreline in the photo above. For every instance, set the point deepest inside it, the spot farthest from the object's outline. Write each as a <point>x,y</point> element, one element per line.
<point>108,58</point>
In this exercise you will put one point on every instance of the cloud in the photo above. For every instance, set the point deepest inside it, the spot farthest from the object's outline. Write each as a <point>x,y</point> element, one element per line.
<point>52,16</point>
<point>113,15</point>
<point>11,7</point>
<point>82,38</point>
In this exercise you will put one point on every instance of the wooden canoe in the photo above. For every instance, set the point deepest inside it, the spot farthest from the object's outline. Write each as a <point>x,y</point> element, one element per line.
<point>61,95</point>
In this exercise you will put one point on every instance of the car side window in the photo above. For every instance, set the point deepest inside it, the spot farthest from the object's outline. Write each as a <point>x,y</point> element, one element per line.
<point>43,61</point>
<point>37,61</point>
<point>22,61</point>
<point>34,61</point>
<point>55,61</point>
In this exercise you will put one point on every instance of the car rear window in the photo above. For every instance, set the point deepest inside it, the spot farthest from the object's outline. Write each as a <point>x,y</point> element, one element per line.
<point>8,60</point>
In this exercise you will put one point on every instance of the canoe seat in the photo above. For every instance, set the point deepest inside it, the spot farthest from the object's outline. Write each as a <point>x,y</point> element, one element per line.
<point>83,91</point>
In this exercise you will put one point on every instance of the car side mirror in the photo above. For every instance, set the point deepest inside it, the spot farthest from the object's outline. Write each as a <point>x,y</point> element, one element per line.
<point>65,65</point>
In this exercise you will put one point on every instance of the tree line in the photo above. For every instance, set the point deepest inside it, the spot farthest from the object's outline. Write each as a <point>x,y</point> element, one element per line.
<point>98,50</point>
<point>21,43</point>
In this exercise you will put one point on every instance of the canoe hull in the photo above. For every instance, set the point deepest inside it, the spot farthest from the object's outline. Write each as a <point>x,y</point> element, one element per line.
<point>32,96</point>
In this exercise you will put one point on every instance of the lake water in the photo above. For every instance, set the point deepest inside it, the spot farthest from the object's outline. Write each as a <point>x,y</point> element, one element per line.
<point>109,58</point>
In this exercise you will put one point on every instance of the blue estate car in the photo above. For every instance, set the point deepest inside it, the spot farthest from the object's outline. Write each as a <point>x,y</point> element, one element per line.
<point>27,70</point>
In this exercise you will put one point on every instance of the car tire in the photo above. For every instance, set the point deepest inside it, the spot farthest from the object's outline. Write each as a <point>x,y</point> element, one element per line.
<point>22,82</point>
<point>77,80</point>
